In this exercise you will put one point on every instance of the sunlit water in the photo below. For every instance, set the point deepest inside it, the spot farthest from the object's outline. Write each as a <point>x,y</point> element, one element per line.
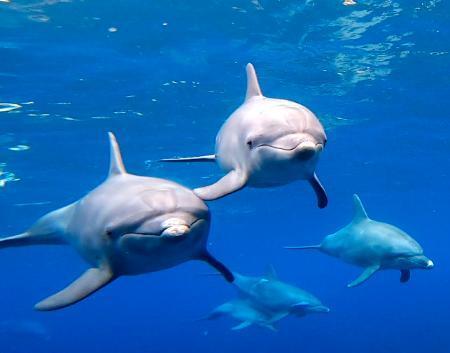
<point>164,76</point>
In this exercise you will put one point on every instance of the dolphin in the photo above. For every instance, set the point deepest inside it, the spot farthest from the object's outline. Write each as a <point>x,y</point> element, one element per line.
<point>126,226</point>
<point>265,300</point>
<point>374,246</point>
<point>247,313</point>
<point>277,296</point>
<point>266,142</point>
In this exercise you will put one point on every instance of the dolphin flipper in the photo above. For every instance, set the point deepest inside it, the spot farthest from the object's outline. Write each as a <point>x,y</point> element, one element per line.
<point>89,282</point>
<point>206,158</point>
<point>212,261</point>
<point>406,275</point>
<point>232,182</point>
<point>369,271</point>
<point>322,198</point>
<point>241,325</point>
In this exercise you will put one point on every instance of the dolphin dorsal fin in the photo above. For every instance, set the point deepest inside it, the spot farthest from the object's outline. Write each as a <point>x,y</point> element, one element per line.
<point>115,164</point>
<point>359,211</point>
<point>253,88</point>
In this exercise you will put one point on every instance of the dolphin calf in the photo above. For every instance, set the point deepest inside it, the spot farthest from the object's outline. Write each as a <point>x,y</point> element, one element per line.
<point>265,300</point>
<point>126,226</point>
<point>266,142</point>
<point>246,313</point>
<point>374,246</point>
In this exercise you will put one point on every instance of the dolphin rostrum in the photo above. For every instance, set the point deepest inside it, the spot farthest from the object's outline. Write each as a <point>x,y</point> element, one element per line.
<point>374,246</point>
<point>266,142</point>
<point>264,300</point>
<point>126,226</point>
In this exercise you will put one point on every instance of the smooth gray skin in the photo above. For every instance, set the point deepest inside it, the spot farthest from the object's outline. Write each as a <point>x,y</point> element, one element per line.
<point>126,226</point>
<point>265,300</point>
<point>374,246</point>
<point>266,142</point>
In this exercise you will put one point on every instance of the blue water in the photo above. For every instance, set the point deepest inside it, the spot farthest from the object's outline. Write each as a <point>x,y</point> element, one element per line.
<point>164,76</point>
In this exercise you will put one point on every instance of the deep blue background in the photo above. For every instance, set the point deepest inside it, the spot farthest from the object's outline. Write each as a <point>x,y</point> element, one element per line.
<point>377,74</point>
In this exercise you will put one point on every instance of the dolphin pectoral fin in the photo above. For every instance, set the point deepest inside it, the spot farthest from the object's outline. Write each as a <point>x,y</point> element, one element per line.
<point>368,272</point>
<point>206,158</point>
<point>232,182</point>
<point>270,327</point>
<point>89,282</point>
<point>322,198</point>
<point>405,276</point>
<point>241,325</point>
<point>212,261</point>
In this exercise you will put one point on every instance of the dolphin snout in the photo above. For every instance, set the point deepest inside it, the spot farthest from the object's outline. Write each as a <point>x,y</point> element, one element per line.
<point>175,227</point>
<point>429,265</point>
<point>307,150</point>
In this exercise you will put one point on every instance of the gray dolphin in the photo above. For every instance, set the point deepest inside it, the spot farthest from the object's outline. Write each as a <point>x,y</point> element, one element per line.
<point>374,246</point>
<point>266,142</point>
<point>265,300</point>
<point>246,312</point>
<point>126,226</point>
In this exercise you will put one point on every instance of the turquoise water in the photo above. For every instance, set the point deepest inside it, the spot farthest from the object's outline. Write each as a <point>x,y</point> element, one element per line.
<point>164,76</point>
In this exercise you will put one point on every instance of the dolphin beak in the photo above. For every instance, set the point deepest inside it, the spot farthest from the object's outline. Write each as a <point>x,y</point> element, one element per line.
<point>175,227</point>
<point>306,150</point>
<point>176,231</point>
<point>429,265</point>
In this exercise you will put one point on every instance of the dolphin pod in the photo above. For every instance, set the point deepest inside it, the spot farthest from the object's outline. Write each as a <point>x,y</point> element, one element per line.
<point>132,224</point>
<point>265,300</point>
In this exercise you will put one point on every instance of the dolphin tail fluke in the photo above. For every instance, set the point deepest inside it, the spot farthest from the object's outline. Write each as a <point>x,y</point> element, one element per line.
<point>27,239</point>
<point>15,240</point>
<point>206,158</point>
<point>46,231</point>
<point>305,247</point>
<point>89,282</point>
<point>368,272</point>
<point>322,198</point>
<point>223,270</point>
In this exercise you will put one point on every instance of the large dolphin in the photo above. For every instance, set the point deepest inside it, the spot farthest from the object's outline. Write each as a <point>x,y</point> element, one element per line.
<point>264,300</point>
<point>266,142</point>
<point>374,246</point>
<point>126,226</point>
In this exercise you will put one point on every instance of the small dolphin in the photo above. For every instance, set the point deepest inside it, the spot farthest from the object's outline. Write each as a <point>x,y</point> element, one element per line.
<point>126,226</point>
<point>245,312</point>
<point>265,300</point>
<point>374,246</point>
<point>266,142</point>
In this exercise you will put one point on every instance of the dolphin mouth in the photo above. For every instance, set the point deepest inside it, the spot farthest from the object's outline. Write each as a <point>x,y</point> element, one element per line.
<point>301,147</point>
<point>172,230</point>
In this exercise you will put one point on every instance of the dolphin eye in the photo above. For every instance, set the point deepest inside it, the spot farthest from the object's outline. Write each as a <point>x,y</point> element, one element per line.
<point>250,144</point>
